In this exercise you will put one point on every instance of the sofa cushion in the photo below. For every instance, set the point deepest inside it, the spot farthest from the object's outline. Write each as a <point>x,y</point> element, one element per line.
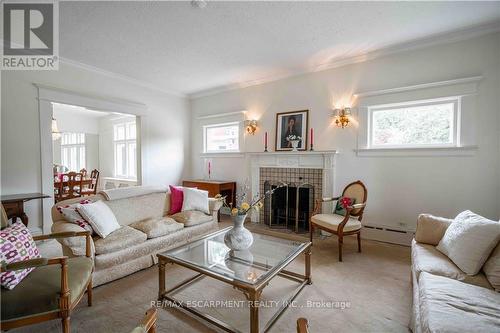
<point>118,240</point>
<point>469,240</point>
<point>39,291</point>
<point>195,199</point>
<point>192,217</point>
<point>430,228</point>
<point>492,268</point>
<point>157,227</point>
<point>447,305</point>
<point>332,221</point>
<point>130,210</point>
<point>426,258</point>
<point>71,214</point>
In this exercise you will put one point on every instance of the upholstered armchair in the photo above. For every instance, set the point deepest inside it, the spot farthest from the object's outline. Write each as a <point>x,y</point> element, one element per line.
<point>51,290</point>
<point>341,225</point>
<point>148,323</point>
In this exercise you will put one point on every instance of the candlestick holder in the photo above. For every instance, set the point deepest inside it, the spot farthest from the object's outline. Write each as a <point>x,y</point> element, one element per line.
<point>312,147</point>
<point>265,149</point>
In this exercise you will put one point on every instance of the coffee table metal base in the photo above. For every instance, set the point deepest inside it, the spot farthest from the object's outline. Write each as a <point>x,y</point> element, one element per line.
<point>251,293</point>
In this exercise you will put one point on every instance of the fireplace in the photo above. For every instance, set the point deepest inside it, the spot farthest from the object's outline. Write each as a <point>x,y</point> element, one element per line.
<point>291,205</point>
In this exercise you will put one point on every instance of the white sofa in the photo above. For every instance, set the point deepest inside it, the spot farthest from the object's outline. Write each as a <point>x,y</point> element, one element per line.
<point>445,299</point>
<point>128,250</point>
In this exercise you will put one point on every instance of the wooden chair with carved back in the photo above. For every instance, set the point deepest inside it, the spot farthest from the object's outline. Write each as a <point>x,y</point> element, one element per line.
<point>92,188</point>
<point>338,223</point>
<point>75,185</point>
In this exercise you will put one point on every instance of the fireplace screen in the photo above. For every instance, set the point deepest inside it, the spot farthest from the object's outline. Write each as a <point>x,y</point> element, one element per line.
<point>290,206</point>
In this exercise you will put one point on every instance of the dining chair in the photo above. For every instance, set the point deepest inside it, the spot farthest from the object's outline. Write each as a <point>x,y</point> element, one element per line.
<point>58,188</point>
<point>83,172</point>
<point>346,218</point>
<point>75,182</point>
<point>92,188</point>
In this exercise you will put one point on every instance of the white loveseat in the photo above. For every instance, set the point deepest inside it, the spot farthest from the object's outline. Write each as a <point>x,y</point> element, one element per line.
<point>128,250</point>
<point>445,299</point>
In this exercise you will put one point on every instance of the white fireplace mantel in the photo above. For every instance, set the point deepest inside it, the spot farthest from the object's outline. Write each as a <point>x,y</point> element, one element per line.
<point>324,160</point>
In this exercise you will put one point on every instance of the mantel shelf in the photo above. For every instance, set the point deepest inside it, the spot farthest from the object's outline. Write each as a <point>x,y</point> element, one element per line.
<point>299,153</point>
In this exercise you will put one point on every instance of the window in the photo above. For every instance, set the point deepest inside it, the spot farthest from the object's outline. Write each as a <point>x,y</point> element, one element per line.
<point>221,138</point>
<point>73,151</point>
<point>420,124</point>
<point>125,150</point>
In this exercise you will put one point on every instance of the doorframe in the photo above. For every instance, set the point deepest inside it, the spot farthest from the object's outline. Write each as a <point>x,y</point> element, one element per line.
<point>48,95</point>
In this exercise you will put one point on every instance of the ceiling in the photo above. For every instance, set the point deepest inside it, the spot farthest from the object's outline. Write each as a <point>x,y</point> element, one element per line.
<point>180,48</point>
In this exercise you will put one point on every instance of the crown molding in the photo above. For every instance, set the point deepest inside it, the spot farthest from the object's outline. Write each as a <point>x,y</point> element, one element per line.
<point>122,77</point>
<point>437,39</point>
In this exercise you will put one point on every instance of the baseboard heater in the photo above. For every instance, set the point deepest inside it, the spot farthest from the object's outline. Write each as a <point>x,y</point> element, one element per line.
<point>387,234</point>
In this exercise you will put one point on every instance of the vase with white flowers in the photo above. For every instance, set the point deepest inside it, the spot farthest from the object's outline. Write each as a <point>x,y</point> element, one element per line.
<point>294,140</point>
<point>239,238</point>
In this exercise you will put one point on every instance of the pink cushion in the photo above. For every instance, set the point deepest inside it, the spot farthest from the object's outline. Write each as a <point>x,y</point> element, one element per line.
<point>16,244</point>
<point>176,199</point>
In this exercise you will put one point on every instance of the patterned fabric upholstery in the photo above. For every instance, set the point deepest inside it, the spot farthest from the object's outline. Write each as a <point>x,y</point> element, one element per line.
<point>140,208</point>
<point>73,216</point>
<point>119,239</point>
<point>191,217</point>
<point>157,227</point>
<point>16,244</point>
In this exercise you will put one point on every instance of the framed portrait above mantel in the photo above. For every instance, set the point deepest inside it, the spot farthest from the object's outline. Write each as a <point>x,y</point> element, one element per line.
<point>291,126</point>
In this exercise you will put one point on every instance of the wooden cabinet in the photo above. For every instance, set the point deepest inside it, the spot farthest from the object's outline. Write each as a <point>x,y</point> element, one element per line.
<point>214,187</point>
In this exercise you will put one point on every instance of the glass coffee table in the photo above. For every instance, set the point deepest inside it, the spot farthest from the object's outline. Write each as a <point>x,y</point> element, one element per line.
<point>248,271</point>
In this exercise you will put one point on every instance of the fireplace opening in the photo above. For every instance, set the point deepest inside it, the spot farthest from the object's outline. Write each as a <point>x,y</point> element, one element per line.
<point>290,206</point>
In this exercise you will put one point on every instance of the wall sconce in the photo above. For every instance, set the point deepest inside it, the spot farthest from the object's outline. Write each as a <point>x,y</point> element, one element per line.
<point>342,116</point>
<point>251,126</point>
<point>56,135</point>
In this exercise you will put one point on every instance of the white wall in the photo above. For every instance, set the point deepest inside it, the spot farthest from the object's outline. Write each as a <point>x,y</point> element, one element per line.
<point>165,143</point>
<point>399,188</point>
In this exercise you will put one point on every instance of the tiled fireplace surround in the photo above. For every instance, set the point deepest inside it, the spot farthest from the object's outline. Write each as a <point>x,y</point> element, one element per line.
<point>293,168</point>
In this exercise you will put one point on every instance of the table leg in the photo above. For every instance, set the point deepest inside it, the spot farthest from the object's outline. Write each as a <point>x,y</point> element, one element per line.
<point>254,298</point>
<point>308,265</point>
<point>161,278</point>
<point>24,218</point>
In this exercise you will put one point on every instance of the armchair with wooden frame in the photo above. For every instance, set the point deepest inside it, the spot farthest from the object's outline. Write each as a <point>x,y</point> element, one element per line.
<point>340,225</point>
<point>48,292</point>
<point>148,323</point>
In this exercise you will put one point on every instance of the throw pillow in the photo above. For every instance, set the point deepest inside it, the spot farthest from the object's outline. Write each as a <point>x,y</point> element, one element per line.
<point>70,214</point>
<point>191,218</point>
<point>469,240</point>
<point>176,199</point>
<point>16,244</point>
<point>492,268</point>
<point>195,199</point>
<point>100,217</point>
<point>342,204</point>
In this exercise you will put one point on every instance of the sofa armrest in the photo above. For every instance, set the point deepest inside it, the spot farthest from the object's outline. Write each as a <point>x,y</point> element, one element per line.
<point>77,245</point>
<point>430,229</point>
<point>214,205</point>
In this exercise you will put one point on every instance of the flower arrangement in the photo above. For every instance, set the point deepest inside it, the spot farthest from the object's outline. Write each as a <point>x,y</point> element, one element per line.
<point>242,207</point>
<point>293,137</point>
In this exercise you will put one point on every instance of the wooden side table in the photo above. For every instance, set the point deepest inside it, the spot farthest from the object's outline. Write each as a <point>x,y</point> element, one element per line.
<point>14,205</point>
<point>214,187</point>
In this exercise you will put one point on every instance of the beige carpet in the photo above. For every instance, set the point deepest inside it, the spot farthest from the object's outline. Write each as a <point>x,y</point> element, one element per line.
<point>373,288</point>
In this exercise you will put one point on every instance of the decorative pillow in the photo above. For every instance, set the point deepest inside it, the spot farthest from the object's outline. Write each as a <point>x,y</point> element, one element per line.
<point>469,240</point>
<point>192,217</point>
<point>176,199</point>
<point>100,217</point>
<point>71,215</point>
<point>492,268</point>
<point>342,204</point>
<point>16,244</point>
<point>195,199</point>
<point>157,227</point>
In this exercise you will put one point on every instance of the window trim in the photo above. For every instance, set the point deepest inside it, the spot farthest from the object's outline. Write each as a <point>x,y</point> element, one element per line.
<point>79,146</point>
<point>126,142</point>
<point>455,100</point>
<point>233,151</point>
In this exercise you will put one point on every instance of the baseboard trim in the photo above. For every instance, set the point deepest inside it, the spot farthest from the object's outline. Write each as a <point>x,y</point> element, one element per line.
<point>387,235</point>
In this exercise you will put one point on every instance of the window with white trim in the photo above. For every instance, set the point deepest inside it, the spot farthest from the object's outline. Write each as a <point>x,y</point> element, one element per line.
<point>73,151</point>
<point>417,124</point>
<point>221,138</point>
<point>125,147</point>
